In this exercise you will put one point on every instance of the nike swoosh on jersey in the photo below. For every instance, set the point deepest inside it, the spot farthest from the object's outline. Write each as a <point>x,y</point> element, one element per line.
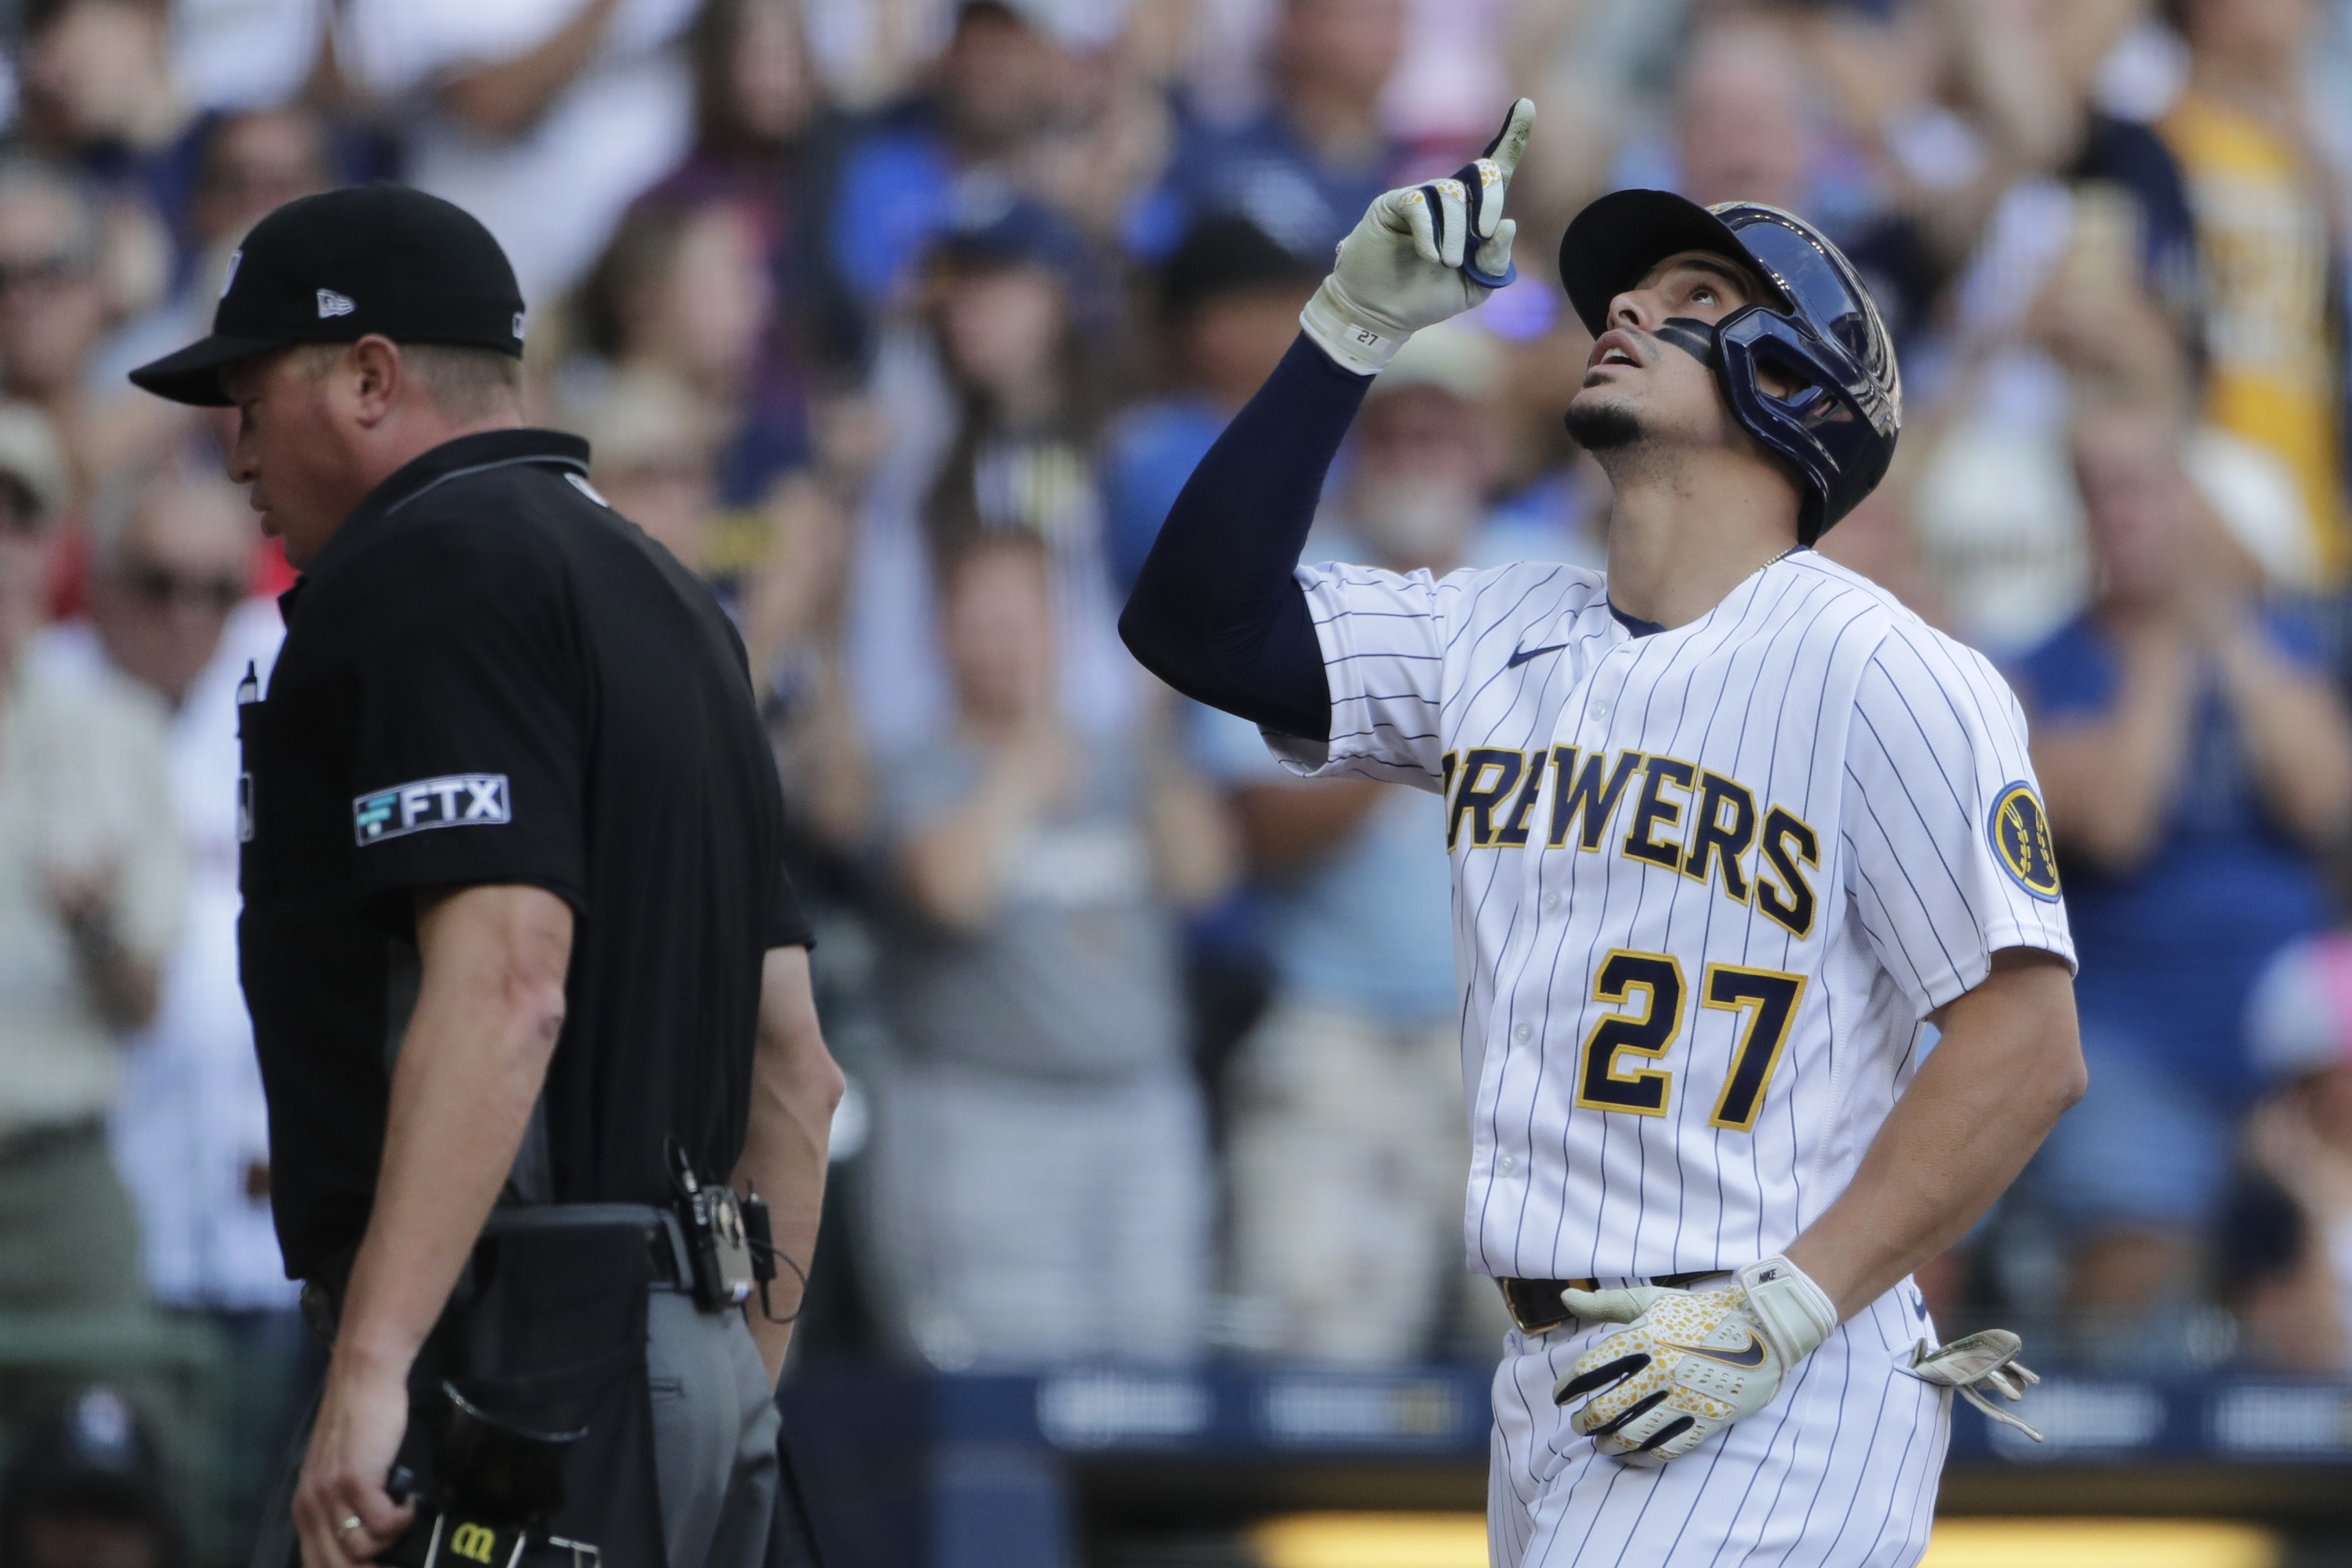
<point>1752,1357</point>
<point>1521,655</point>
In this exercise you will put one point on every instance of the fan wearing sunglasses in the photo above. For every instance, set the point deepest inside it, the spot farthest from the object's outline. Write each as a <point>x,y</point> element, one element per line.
<point>174,556</point>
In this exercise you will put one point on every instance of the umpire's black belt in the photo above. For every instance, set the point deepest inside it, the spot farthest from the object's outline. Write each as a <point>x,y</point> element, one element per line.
<point>672,1265</point>
<point>1536,1307</point>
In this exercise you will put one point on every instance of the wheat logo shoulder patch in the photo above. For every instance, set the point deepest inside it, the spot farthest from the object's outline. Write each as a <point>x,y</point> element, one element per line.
<point>455,801</point>
<point>2020,830</point>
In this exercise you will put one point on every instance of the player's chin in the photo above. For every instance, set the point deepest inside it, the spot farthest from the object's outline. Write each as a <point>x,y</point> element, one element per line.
<point>1604,417</point>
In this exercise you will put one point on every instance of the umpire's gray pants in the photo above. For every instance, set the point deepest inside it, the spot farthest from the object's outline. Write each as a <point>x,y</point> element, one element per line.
<point>715,1429</point>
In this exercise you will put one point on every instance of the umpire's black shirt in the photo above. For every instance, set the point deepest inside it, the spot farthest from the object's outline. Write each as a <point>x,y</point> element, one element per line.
<point>489,677</point>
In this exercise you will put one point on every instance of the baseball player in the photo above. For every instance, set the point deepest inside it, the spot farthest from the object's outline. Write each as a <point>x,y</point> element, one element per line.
<point>1730,830</point>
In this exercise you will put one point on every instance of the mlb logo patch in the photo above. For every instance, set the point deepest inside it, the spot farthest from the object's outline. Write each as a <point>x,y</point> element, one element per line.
<point>457,801</point>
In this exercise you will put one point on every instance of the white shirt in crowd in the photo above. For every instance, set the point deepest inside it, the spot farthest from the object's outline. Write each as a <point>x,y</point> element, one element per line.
<point>191,1131</point>
<point>244,53</point>
<point>552,194</point>
<point>81,792</point>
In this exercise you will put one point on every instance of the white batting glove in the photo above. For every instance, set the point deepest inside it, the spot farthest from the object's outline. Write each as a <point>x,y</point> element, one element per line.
<point>1975,1364</point>
<point>1421,254</point>
<point>1689,1364</point>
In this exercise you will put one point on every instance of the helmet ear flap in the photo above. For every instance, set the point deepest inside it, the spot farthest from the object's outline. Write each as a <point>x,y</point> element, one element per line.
<point>1746,341</point>
<point>1820,431</point>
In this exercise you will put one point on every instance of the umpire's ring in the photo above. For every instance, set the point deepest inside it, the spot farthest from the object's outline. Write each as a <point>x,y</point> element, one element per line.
<point>353,1522</point>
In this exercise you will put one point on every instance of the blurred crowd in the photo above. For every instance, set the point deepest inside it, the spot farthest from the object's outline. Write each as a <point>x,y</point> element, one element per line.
<point>903,321</point>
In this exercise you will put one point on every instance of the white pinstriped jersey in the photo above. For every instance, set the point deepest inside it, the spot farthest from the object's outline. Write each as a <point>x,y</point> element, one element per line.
<point>1707,884</point>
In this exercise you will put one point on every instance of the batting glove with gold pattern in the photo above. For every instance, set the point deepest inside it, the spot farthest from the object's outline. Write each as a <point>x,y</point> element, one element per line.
<point>1689,1364</point>
<point>1421,254</point>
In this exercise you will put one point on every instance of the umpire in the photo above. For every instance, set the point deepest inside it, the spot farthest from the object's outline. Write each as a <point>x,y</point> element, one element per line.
<point>518,941</point>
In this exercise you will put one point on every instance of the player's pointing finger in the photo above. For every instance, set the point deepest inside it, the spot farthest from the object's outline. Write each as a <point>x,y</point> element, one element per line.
<point>1510,143</point>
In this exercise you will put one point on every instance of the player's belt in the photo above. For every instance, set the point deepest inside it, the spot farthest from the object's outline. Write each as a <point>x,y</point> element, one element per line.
<point>1536,1307</point>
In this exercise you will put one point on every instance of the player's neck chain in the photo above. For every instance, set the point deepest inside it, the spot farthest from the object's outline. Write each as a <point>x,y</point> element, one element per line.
<point>1776,560</point>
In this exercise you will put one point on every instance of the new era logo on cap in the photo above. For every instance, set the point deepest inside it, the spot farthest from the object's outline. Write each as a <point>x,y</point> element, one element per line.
<point>333,304</point>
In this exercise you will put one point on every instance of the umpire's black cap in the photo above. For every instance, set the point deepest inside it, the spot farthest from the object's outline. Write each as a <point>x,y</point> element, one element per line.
<point>333,267</point>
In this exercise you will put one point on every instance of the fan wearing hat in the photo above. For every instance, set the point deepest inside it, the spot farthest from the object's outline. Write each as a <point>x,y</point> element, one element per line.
<point>517,933</point>
<point>85,1485</point>
<point>1734,835</point>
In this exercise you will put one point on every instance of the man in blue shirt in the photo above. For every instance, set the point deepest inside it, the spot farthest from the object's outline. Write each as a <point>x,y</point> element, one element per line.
<point>2196,763</point>
<point>1306,169</point>
<point>945,159</point>
<point>1229,303</point>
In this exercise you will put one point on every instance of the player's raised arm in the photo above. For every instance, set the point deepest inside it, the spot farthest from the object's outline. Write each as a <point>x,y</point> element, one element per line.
<point>1215,612</point>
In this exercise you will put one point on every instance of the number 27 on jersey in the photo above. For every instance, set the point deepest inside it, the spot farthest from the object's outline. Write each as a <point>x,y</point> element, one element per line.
<point>1648,989</point>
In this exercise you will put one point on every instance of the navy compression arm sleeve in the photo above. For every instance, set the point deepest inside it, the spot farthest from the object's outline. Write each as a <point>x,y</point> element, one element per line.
<point>1216,613</point>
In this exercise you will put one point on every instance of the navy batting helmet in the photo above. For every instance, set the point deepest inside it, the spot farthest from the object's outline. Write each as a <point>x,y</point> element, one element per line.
<point>1837,429</point>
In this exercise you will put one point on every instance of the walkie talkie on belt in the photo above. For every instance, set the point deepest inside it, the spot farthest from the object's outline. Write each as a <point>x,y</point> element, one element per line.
<point>715,1240</point>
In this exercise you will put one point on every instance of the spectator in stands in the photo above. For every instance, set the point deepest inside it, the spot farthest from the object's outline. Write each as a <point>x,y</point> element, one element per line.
<point>100,98</point>
<point>1739,132</point>
<point>2286,1250</point>
<point>652,446</point>
<point>172,558</point>
<point>953,156</point>
<point>767,142</point>
<point>1348,1136</point>
<point>254,161</point>
<point>92,880</point>
<point>98,83</point>
<point>1229,304</point>
<point>2195,765</point>
<point>231,56</point>
<point>997,430</point>
<point>86,1490</point>
<point>684,294</point>
<point>1045,1186</point>
<point>1306,169</point>
<point>2261,211</point>
<point>53,310</point>
<point>543,119</point>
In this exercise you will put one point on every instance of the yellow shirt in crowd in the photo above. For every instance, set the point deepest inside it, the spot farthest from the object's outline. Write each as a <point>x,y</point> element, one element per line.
<point>2263,236</point>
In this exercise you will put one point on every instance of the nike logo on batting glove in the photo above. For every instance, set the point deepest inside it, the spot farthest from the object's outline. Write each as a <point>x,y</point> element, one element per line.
<point>1752,1357</point>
